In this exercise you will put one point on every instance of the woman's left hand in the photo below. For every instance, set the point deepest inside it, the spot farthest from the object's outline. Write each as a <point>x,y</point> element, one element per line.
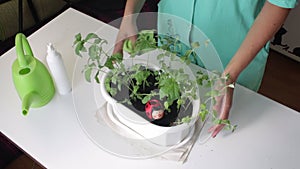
<point>222,107</point>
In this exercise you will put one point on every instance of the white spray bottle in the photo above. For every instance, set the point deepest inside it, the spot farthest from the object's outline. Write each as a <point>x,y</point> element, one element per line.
<point>58,70</point>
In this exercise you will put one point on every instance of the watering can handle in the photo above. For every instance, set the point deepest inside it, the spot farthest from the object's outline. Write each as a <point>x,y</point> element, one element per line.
<point>23,50</point>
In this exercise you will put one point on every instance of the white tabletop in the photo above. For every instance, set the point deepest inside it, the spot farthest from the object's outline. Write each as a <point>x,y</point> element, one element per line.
<point>268,133</point>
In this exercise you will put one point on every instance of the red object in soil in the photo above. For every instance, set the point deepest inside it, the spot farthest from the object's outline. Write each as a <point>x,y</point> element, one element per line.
<point>154,109</point>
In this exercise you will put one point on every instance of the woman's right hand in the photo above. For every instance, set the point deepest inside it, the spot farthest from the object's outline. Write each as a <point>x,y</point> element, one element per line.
<point>128,30</point>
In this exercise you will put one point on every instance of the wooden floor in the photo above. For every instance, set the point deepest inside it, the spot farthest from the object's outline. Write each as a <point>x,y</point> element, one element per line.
<point>281,81</point>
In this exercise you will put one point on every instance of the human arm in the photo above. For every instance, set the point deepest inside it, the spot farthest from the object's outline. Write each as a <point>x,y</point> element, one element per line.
<point>267,23</point>
<point>128,28</point>
<point>263,29</point>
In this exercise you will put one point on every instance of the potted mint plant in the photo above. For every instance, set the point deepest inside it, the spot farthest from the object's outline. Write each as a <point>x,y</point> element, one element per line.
<point>153,91</point>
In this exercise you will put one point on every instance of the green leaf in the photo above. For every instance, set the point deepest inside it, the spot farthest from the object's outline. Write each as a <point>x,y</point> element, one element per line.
<point>217,121</point>
<point>87,74</point>
<point>77,38</point>
<point>202,106</point>
<point>79,48</point>
<point>135,89</point>
<point>114,79</point>
<point>146,99</point>
<point>118,57</point>
<point>109,63</point>
<point>91,36</point>
<point>213,93</point>
<point>169,88</point>
<point>186,119</point>
<point>141,76</point>
<point>97,41</point>
<point>93,52</point>
<point>180,102</point>
<point>107,84</point>
<point>119,86</point>
<point>195,45</point>
<point>96,77</point>
<point>233,128</point>
<point>227,76</point>
<point>214,114</point>
<point>145,41</point>
<point>203,114</point>
<point>166,105</point>
<point>128,47</point>
<point>226,122</point>
<point>113,91</point>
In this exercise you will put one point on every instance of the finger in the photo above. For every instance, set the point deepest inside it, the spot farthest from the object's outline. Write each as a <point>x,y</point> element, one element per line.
<point>133,39</point>
<point>217,129</point>
<point>212,128</point>
<point>118,48</point>
<point>225,108</point>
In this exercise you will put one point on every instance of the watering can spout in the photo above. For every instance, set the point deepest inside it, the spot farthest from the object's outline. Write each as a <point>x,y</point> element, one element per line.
<point>27,102</point>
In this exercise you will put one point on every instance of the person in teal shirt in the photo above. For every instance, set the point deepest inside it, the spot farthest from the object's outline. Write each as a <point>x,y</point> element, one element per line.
<point>239,30</point>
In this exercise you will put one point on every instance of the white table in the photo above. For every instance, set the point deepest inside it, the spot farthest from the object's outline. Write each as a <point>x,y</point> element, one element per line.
<point>268,133</point>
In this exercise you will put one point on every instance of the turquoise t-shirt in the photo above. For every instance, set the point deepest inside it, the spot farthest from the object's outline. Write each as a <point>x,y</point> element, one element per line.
<point>225,24</point>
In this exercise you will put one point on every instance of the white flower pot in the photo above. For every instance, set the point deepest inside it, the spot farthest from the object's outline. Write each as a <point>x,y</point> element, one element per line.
<point>165,136</point>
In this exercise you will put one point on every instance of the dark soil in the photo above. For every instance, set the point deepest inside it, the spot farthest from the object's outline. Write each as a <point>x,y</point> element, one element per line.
<point>139,108</point>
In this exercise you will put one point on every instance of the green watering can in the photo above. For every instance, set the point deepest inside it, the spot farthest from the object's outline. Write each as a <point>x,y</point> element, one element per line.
<point>31,78</point>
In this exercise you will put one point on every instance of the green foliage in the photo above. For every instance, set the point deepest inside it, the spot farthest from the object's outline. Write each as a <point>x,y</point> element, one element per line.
<point>144,43</point>
<point>173,83</point>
